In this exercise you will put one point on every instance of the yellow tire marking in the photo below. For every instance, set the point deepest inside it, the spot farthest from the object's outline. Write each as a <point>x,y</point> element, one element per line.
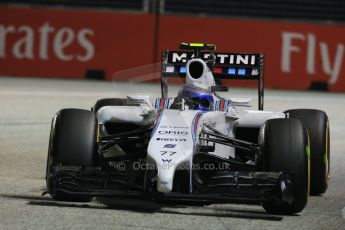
<point>326,152</point>
<point>97,133</point>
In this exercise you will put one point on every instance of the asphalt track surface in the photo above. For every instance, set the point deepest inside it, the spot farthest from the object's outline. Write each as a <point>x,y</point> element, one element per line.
<point>27,106</point>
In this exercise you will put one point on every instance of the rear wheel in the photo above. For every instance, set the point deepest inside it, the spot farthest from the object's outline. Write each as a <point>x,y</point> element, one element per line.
<point>316,122</point>
<point>72,143</point>
<point>284,145</point>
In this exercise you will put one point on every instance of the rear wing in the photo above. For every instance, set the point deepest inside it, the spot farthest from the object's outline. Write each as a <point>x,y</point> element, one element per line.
<point>227,66</point>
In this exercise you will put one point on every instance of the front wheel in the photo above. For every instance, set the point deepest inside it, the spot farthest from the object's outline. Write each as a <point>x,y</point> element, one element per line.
<point>285,147</point>
<point>72,143</point>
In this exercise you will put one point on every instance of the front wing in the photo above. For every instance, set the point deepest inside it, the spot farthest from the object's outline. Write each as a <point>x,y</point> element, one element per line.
<point>234,187</point>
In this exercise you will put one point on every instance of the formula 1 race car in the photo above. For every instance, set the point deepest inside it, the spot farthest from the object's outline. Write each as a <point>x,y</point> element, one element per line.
<point>196,146</point>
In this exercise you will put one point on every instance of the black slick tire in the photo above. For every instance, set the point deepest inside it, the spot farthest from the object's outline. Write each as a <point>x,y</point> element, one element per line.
<point>285,147</point>
<point>72,143</point>
<point>316,121</point>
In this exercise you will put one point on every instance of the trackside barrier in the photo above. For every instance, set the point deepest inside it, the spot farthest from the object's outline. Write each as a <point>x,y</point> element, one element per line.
<point>52,42</point>
<point>69,43</point>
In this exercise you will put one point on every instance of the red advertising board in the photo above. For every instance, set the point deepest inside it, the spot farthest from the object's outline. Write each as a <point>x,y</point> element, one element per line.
<point>68,42</point>
<point>47,42</point>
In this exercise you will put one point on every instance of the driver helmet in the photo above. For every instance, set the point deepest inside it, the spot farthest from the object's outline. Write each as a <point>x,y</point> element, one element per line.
<point>197,98</point>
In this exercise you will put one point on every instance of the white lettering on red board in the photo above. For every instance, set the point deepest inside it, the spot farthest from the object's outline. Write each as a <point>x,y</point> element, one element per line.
<point>288,48</point>
<point>60,39</point>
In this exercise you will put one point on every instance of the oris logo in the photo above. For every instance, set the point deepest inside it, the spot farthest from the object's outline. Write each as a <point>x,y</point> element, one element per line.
<point>45,42</point>
<point>173,132</point>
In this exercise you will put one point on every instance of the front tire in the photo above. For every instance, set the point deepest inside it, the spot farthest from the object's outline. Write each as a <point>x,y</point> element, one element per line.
<point>72,143</point>
<point>285,147</point>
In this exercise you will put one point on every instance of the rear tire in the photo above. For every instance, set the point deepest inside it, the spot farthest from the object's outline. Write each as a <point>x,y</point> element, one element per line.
<point>317,123</point>
<point>284,145</point>
<point>72,143</point>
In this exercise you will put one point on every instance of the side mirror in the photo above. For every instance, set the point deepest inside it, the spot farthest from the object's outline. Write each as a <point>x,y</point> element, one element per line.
<point>245,102</point>
<point>139,100</point>
<point>219,88</point>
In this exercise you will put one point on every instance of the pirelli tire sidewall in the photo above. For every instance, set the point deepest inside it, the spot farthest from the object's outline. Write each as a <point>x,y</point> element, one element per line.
<point>317,123</point>
<point>285,147</point>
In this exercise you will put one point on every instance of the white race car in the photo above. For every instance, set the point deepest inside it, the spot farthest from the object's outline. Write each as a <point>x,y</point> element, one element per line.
<point>196,146</point>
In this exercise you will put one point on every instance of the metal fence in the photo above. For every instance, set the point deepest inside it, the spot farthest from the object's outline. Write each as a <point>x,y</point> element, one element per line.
<point>112,4</point>
<point>320,10</point>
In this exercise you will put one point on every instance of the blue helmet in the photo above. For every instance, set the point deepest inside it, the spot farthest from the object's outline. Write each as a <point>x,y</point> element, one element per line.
<point>197,98</point>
